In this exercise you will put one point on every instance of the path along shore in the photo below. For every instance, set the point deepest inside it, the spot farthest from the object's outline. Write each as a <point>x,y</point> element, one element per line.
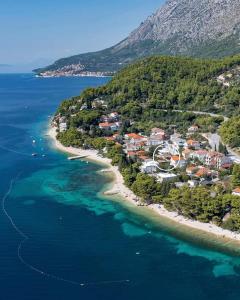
<point>118,188</point>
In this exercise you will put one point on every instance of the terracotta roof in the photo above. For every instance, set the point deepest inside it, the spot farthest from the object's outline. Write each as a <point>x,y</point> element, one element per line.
<point>131,153</point>
<point>226,166</point>
<point>191,168</point>
<point>202,172</point>
<point>135,136</point>
<point>106,124</point>
<point>192,142</point>
<point>139,153</point>
<point>201,152</point>
<point>237,190</point>
<point>176,158</point>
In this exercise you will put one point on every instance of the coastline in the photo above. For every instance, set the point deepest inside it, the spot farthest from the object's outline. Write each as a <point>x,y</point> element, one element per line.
<point>118,188</point>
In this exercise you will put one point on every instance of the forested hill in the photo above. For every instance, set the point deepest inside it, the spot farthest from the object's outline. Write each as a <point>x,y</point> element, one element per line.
<point>169,83</point>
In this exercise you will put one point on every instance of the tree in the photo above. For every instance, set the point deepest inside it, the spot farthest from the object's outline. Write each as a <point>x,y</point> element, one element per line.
<point>236,176</point>
<point>222,149</point>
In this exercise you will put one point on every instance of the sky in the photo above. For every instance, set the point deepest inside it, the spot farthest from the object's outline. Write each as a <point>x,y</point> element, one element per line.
<point>41,31</point>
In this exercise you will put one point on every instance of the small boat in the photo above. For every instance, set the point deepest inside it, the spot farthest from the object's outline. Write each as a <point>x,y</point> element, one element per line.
<point>43,155</point>
<point>34,154</point>
<point>34,141</point>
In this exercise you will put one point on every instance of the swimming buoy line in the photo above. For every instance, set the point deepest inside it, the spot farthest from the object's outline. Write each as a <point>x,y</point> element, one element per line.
<point>25,238</point>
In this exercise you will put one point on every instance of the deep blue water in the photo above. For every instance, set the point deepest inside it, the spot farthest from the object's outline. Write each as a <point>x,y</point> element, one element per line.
<point>74,233</point>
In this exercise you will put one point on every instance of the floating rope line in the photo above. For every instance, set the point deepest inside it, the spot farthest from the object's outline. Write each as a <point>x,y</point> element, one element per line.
<point>25,238</point>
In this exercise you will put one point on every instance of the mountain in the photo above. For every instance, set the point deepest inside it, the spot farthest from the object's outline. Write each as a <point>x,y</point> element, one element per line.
<point>206,28</point>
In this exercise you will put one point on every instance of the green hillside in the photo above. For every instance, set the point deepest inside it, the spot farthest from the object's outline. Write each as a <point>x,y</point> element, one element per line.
<point>169,83</point>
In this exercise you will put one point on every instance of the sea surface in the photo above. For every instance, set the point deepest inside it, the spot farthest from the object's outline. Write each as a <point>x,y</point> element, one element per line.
<point>60,239</point>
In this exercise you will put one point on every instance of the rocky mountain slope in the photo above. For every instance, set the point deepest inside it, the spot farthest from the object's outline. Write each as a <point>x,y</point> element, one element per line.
<point>206,28</point>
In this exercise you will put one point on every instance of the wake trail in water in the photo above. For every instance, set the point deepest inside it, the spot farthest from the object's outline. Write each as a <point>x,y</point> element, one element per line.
<point>14,151</point>
<point>25,238</point>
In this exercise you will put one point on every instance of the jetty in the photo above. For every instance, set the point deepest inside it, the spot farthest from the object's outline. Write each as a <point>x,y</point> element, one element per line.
<point>77,157</point>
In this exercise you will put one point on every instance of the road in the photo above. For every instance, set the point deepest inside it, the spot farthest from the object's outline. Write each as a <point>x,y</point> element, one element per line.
<point>214,139</point>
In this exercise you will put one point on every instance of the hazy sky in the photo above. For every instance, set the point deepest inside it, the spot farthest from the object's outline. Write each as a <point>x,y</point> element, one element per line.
<point>34,29</point>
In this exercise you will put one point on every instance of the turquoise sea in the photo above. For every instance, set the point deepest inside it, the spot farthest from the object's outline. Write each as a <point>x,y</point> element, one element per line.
<point>60,239</point>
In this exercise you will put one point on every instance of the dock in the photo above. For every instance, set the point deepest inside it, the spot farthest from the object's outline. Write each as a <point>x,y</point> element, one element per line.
<point>77,157</point>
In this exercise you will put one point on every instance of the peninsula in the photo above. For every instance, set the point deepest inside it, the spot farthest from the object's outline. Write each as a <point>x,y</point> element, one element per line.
<point>150,107</point>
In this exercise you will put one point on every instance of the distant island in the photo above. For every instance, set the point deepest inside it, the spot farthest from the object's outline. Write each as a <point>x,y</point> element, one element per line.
<point>156,106</point>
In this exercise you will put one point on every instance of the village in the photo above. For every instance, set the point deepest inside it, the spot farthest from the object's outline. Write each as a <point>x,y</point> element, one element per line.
<point>178,158</point>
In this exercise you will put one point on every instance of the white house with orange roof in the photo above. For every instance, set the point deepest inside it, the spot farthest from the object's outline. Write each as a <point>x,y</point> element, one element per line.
<point>135,138</point>
<point>178,161</point>
<point>193,129</point>
<point>192,144</point>
<point>236,191</point>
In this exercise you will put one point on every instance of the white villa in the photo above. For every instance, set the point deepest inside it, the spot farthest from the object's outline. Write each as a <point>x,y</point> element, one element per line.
<point>149,167</point>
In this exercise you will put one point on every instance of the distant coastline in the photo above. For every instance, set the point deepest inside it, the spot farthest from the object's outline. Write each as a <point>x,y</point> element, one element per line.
<point>119,188</point>
<point>73,75</point>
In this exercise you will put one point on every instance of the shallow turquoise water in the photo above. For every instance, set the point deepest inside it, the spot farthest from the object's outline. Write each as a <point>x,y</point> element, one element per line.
<point>75,233</point>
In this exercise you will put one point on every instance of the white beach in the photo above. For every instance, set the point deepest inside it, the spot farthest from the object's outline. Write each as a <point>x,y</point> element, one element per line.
<point>118,188</point>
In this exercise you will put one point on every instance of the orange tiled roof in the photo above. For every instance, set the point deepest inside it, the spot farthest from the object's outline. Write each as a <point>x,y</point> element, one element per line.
<point>131,153</point>
<point>135,136</point>
<point>237,190</point>
<point>202,172</point>
<point>106,124</point>
<point>192,142</point>
<point>176,158</point>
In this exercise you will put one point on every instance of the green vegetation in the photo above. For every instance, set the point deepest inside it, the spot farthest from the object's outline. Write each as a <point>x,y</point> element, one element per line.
<point>236,176</point>
<point>168,83</point>
<point>230,132</point>
<point>146,95</point>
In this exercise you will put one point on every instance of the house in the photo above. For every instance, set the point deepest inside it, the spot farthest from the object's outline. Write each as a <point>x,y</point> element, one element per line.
<point>134,137</point>
<point>131,154</point>
<point>177,140</point>
<point>166,177</point>
<point>203,172</point>
<point>236,192</point>
<point>84,107</point>
<point>139,154</point>
<point>114,116</point>
<point>177,161</point>
<point>192,183</point>
<point>192,144</point>
<point>98,103</point>
<point>62,127</point>
<point>155,140</point>
<point>109,126</point>
<point>149,167</point>
<point>105,119</point>
<point>158,132</point>
<point>193,129</point>
<point>186,153</point>
<point>217,160</point>
<point>199,154</point>
<point>190,170</point>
